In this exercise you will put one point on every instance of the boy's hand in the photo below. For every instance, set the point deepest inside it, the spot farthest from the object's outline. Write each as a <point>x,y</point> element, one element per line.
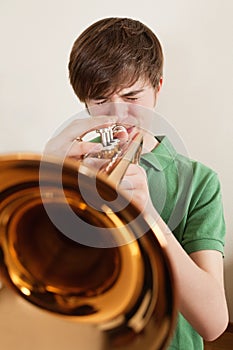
<point>135,187</point>
<point>66,143</point>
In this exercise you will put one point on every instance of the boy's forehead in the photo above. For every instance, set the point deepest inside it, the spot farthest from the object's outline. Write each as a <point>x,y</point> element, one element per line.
<point>139,85</point>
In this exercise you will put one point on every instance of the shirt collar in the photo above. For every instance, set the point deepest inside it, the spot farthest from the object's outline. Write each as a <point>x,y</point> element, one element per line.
<point>162,155</point>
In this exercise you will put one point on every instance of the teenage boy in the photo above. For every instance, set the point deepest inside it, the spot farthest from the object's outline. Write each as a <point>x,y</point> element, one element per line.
<point>115,65</point>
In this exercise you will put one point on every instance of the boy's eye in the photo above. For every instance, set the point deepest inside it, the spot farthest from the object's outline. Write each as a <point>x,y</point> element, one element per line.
<point>131,99</point>
<point>100,102</point>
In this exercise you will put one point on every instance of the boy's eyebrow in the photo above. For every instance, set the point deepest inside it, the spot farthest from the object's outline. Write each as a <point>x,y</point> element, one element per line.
<point>98,98</point>
<point>130,93</point>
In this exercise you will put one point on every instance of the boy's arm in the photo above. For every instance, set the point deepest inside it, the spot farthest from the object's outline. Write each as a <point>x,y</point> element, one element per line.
<point>198,276</point>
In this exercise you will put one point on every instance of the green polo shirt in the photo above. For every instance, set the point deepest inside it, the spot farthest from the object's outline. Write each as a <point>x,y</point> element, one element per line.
<point>187,195</point>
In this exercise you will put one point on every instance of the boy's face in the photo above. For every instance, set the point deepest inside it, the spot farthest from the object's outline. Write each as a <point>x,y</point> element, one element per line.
<point>125,103</point>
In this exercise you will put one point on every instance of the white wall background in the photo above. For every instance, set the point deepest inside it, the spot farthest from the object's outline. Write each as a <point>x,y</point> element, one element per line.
<point>36,38</point>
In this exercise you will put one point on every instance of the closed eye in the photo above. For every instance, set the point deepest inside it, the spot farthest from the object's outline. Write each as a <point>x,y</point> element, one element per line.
<point>132,98</point>
<point>100,102</point>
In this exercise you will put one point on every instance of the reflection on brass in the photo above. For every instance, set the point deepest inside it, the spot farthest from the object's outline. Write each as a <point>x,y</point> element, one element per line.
<point>111,271</point>
<point>116,155</point>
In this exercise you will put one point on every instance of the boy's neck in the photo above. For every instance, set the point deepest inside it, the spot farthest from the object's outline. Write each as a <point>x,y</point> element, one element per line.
<point>149,143</point>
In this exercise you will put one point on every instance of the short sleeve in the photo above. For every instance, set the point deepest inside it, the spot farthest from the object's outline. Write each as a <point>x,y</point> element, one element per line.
<point>205,225</point>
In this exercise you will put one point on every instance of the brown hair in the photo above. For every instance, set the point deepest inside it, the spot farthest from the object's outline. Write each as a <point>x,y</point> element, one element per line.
<point>112,54</point>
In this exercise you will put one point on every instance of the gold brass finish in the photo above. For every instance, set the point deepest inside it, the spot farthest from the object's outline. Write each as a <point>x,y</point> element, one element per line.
<point>111,271</point>
<point>115,157</point>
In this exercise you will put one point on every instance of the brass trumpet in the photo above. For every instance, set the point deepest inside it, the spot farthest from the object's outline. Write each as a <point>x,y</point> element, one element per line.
<point>107,268</point>
<point>116,155</point>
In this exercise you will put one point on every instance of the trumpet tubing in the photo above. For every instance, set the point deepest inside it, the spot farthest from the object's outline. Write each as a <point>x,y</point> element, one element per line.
<point>116,156</point>
<point>66,251</point>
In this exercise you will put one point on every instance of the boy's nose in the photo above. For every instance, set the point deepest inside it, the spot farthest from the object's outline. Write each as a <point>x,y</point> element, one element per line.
<point>119,109</point>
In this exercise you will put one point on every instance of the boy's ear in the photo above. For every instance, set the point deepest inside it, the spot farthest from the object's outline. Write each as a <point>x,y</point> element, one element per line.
<point>157,91</point>
<point>160,84</point>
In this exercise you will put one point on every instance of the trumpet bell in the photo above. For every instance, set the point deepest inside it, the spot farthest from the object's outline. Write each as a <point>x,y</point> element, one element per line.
<point>70,253</point>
